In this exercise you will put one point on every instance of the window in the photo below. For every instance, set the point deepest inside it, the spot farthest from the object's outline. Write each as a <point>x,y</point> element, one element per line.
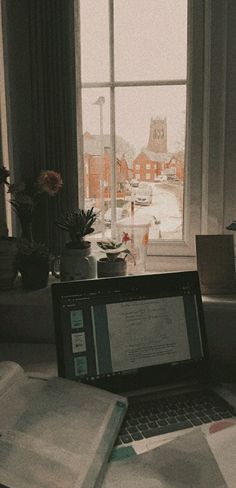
<point>134,105</point>
<point>206,79</point>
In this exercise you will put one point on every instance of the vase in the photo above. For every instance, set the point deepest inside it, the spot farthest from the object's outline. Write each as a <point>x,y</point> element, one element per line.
<point>77,264</point>
<point>8,267</point>
<point>34,273</point>
<point>107,268</point>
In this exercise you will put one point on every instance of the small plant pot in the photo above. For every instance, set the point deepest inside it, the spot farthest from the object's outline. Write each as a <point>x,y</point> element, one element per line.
<point>107,268</point>
<point>34,274</point>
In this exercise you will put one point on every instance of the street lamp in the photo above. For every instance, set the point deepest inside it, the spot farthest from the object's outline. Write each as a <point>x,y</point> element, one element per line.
<point>100,102</point>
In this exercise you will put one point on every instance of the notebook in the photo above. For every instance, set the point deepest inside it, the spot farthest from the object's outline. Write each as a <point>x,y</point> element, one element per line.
<point>143,337</point>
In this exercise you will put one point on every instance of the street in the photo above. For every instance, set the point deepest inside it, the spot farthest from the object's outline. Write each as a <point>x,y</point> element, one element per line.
<point>166,207</point>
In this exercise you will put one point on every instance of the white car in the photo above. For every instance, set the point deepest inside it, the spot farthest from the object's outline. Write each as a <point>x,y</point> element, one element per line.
<point>161,178</point>
<point>143,199</point>
<point>134,183</point>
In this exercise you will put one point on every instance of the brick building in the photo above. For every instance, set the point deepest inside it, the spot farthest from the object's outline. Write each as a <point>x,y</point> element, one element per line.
<point>155,159</point>
<point>93,167</point>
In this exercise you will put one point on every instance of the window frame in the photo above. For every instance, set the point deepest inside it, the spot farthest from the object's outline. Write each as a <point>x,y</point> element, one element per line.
<point>205,27</point>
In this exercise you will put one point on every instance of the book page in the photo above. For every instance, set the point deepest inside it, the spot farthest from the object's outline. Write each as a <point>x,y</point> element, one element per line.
<point>57,433</point>
<point>26,462</point>
<point>11,374</point>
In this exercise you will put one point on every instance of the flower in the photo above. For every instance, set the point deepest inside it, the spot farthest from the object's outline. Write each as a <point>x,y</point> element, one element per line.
<point>125,237</point>
<point>49,182</point>
<point>25,196</point>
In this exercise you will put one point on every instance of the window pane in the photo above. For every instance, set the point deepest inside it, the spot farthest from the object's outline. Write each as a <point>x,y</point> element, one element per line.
<point>94,40</point>
<point>150,39</point>
<point>152,121</point>
<point>96,136</point>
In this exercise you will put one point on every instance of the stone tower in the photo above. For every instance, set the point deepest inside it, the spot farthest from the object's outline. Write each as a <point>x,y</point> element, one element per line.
<point>158,135</point>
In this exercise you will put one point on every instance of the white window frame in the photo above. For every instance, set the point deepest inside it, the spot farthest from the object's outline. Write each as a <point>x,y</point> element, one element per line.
<point>202,123</point>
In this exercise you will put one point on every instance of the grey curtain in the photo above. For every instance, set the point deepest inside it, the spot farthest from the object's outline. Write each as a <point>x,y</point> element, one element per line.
<point>39,56</point>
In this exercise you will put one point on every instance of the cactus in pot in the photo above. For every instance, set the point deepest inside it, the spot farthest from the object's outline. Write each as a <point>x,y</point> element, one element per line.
<point>76,261</point>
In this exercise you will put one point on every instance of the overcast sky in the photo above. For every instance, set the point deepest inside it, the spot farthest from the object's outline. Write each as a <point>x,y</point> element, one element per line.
<point>150,43</point>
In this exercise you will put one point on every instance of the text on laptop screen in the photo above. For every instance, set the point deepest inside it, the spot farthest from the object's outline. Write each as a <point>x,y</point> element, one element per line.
<point>113,335</point>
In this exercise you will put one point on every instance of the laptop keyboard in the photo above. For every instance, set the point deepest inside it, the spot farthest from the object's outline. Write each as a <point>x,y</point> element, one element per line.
<point>146,418</point>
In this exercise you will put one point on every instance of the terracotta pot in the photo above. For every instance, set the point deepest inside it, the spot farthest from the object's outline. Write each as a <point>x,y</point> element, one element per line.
<point>107,268</point>
<point>8,267</point>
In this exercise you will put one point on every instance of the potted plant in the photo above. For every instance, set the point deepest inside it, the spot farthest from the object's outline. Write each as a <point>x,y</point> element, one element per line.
<point>33,264</point>
<point>24,197</point>
<point>114,264</point>
<point>76,260</point>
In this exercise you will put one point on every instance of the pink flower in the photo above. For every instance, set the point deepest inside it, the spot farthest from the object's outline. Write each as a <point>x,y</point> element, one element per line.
<point>125,237</point>
<point>49,182</point>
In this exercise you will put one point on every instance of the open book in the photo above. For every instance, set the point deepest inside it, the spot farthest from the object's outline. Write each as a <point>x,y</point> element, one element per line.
<point>54,433</point>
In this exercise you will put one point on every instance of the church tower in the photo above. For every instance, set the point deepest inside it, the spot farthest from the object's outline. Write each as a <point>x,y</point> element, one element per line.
<point>158,136</point>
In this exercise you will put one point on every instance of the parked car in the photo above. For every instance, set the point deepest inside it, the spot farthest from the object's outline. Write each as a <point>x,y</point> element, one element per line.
<point>161,178</point>
<point>134,183</point>
<point>121,213</point>
<point>143,195</point>
<point>143,199</point>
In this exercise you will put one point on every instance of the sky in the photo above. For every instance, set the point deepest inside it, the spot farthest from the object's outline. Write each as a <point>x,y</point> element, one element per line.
<point>149,44</point>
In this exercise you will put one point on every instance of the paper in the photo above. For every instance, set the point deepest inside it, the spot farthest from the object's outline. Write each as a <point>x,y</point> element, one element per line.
<point>185,462</point>
<point>150,335</point>
<point>223,447</point>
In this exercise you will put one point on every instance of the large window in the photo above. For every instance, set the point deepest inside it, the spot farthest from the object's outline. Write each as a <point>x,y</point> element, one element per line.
<point>132,87</point>
<point>155,98</point>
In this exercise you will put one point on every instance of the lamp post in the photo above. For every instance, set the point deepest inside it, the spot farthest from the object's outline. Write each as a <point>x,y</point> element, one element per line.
<point>100,102</point>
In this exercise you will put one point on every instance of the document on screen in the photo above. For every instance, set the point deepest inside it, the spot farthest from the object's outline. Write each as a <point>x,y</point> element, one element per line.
<point>153,332</point>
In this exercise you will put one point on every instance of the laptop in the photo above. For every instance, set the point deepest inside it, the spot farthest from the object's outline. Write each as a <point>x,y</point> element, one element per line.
<point>143,337</point>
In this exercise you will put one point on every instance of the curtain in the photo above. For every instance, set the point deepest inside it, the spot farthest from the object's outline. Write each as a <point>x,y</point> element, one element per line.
<point>39,58</point>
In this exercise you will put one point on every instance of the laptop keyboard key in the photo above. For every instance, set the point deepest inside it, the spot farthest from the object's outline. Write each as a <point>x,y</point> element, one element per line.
<point>215,416</point>
<point>181,418</point>
<point>137,436</point>
<point>166,429</point>
<point>196,422</point>
<point>152,424</point>
<point>162,422</point>
<point>142,427</point>
<point>132,429</point>
<point>126,438</point>
<point>226,415</point>
<point>171,420</point>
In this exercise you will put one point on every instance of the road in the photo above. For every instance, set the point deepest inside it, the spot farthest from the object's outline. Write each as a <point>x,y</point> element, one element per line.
<point>166,207</point>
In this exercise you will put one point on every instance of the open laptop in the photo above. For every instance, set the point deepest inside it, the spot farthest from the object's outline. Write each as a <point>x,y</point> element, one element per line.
<point>144,337</point>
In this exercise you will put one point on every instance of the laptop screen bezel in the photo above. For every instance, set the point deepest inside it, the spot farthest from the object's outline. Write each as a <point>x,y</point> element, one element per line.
<point>167,284</point>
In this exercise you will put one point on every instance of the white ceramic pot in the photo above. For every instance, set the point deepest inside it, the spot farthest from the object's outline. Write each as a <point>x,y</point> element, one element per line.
<point>77,264</point>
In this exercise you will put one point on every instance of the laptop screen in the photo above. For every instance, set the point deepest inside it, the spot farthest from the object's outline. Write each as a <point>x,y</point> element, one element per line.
<point>120,331</point>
